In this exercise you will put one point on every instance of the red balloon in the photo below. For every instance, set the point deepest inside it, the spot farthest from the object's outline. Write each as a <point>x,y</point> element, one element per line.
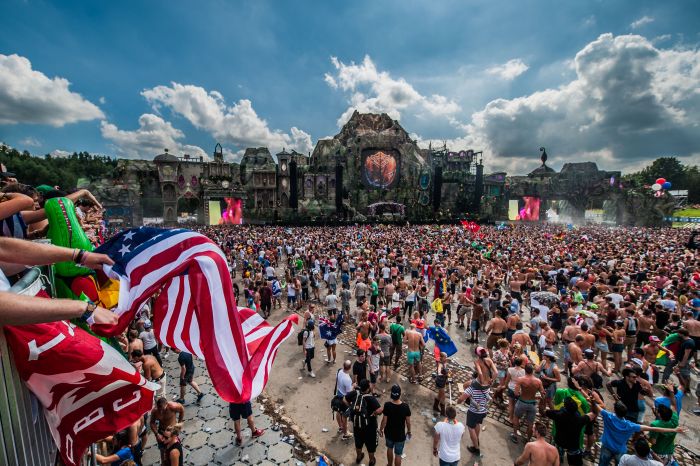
<point>661,180</point>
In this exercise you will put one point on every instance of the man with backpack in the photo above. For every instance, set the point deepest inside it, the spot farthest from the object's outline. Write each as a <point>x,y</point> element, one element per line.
<point>343,386</point>
<point>364,409</point>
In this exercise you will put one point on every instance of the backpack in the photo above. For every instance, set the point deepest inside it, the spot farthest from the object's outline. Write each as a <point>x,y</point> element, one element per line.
<point>300,337</point>
<point>360,416</point>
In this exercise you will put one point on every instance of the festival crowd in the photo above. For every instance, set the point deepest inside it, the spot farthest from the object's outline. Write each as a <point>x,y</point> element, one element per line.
<point>587,336</point>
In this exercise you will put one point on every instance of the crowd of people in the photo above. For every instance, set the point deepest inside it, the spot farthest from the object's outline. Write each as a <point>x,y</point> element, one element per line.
<point>553,317</point>
<point>567,329</point>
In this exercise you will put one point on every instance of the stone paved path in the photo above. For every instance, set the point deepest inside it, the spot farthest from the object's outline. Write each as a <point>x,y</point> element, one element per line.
<point>208,436</point>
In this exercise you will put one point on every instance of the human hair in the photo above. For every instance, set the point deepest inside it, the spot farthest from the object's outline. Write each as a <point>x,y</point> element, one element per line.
<point>579,337</point>
<point>451,413</point>
<point>584,326</point>
<point>503,343</point>
<point>570,405</point>
<point>136,353</point>
<point>529,369</point>
<point>398,318</point>
<point>641,448</point>
<point>174,429</point>
<point>360,352</point>
<point>519,326</point>
<point>665,412</point>
<point>683,332</point>
<point>518,361</point>
<point>627,371</point>
<point>620,409</point>
<point>162,401</point>
<point>541,429</point>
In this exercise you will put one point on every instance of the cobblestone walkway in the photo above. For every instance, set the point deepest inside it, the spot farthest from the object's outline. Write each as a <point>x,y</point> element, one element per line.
<point>208,436</point>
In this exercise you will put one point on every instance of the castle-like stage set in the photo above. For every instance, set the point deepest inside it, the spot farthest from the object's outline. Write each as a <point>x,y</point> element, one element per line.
<point>370,171</point>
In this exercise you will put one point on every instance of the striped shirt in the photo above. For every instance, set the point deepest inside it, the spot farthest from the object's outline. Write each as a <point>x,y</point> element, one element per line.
<point>13,227</point>
<point>479,397</point>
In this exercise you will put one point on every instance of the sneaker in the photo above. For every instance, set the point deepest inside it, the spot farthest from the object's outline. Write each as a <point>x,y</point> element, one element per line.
<point>180,400</point>
<point>258,433</point>
<point>347,436</point>
<point>312,375</point>
<point>199,397</point>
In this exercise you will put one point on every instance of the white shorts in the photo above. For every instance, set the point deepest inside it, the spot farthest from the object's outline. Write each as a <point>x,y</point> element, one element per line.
<point>331,342</point>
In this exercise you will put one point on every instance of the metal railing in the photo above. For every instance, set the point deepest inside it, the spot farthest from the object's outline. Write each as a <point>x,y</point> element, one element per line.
<point>25,438</point>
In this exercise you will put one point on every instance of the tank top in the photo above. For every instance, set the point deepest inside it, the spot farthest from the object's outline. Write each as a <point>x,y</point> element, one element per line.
<point>515,373</point>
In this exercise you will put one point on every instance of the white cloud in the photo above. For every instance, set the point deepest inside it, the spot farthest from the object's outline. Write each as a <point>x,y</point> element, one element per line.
<point>102,100</point>
<point>29,96</point>
<point>61,154</point>
<point>376,91</point>
<point>30,142</point>
<point>150,139</point>
<point>508,70</point>
<point>628,102</point>
<point>238,124</point>
<point>643,21</point>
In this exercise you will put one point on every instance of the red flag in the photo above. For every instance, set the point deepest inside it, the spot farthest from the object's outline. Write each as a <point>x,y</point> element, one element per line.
<point>88,389</point>
<point>196,309</point>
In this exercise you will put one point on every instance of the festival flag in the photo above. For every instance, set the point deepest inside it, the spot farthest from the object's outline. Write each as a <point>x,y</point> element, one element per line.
<point>88,390</point>
<point>442,340</point>
<point>195,310</point>
<point>330,330</point>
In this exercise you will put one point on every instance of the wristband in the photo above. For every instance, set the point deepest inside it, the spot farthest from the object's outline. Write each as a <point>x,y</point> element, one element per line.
<point>88,316</point>
<point>79,257</point>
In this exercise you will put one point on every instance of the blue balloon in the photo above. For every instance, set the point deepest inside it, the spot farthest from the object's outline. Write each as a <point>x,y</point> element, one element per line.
<point>666,185</point>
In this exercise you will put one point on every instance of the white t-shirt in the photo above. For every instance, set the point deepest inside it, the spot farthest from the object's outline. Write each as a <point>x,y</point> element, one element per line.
<point>634,460</point>
<point>344,383</point>
<point>450,440</point>
<point>149,340</point>
<point>309,339</point>
<point>4,282</point>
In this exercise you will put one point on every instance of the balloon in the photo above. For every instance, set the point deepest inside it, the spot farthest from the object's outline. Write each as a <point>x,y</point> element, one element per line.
<point>666,185</point>
<point>660,180</point>
<point>656,187</point>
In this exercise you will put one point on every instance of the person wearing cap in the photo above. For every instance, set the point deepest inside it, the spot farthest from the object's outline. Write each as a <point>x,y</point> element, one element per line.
<point>651,350</point>
<point>591,368</point>
<point>150,344</point>
<point>6,178</point>
<point>549,375</point>
<point>364,408</point>
<point>396,426</point>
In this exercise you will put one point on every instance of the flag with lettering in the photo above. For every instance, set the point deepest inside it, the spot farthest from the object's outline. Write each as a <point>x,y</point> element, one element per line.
<point>88,390</point>
<point>195,308</point>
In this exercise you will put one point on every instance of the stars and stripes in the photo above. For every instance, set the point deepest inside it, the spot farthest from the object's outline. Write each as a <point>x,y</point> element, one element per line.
<point>195,308</point>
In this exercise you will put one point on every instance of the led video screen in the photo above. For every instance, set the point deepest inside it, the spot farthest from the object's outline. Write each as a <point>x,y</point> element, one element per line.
<point>527,209</point>
<point>381,168</point>
<point>226,211</point>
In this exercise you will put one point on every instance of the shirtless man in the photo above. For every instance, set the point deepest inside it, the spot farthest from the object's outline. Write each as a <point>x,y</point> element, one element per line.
<point>526,389</point>
<point>588,337</point>
<point>521,337</point>
<point>645,323</point>
<point>164,415</point>
<point>415,343</point>
<point>568,336</point>
<point>151,370</point>
<point>693,326</point>
<point>496,328</point>
<point>575,351</point>
<point>539,452</point>
<point>512,322</point>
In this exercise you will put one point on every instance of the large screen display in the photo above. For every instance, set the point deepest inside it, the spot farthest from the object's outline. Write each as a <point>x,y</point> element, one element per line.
<point>527,209</point>
<point>226,211</point>
<point>381,168</point>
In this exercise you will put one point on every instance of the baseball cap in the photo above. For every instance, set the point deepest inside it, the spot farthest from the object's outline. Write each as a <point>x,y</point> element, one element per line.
<point>588,353</point>
<point>147,324</point>
<point>637,361</point>
<point>480,350</point>
<point>395,392</point>
<point>550,354</point>
<point>654,338</point>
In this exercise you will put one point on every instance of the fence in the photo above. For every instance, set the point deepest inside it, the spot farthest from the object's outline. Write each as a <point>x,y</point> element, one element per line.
<point>24,435</point>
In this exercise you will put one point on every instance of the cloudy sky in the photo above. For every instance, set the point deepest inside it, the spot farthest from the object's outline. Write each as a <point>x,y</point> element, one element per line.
<point>616,82</point>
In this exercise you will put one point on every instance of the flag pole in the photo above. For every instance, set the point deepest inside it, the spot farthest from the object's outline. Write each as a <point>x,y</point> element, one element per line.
<point>93,452</point>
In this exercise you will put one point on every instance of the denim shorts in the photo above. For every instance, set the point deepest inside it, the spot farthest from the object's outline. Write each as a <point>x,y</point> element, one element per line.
<point>396,446</point>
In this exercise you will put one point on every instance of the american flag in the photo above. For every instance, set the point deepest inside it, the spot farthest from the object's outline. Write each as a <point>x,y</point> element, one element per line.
<point>195,308</point>
<point>88,389</point>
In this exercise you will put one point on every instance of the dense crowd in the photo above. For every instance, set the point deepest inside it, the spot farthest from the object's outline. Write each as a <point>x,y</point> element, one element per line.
<point>552,317</point>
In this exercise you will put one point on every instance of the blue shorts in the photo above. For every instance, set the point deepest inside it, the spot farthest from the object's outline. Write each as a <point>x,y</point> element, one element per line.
<point>396,446</point>
<point>474,326</point>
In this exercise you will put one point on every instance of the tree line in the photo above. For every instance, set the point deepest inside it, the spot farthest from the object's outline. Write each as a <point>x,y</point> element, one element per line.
<point>680,175</point>
<point>56,171</point>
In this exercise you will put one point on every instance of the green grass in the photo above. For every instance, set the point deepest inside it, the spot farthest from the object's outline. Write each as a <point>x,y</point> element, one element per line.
<point>687,213</point>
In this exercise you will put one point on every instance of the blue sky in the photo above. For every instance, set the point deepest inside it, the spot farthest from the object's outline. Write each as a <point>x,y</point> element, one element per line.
<point>614,82</point>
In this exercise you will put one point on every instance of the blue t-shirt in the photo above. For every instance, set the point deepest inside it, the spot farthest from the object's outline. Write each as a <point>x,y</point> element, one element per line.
<point>662,400</point>
<point>124,454</point>
<point>617,431</point>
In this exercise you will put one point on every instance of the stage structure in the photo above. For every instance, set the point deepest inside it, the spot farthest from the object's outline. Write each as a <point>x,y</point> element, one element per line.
<point>371,170</point>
